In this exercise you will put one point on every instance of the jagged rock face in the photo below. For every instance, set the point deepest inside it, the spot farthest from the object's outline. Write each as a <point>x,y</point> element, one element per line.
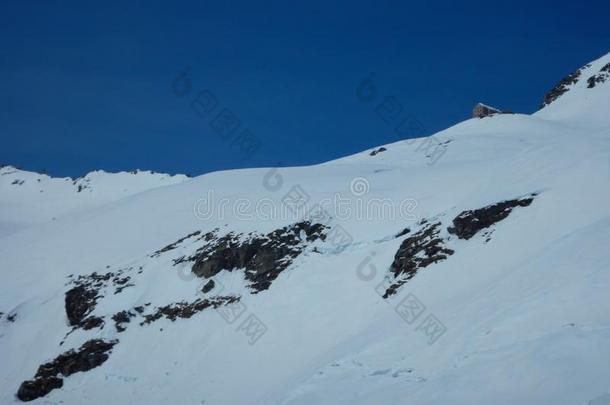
<point>121,318</point>
<point>561,87</point>
<point>187,310</point>
<point>33,389</point>
<point>91,322</point>
<point>601,77</point>
<point>420,250</point>
<point>82,299</point>
<point>426,246</point>
<point>468,223</point>
<point>263,257</point>
<point>79,302</point>
<point>90,355</point>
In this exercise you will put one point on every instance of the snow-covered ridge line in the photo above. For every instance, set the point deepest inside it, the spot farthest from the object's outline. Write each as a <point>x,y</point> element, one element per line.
<point>28,197</point>
<point>583,83</point>
<point>10,169</point>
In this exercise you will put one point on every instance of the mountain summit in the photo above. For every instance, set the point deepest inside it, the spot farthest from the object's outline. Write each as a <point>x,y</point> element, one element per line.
<point>468,267</point>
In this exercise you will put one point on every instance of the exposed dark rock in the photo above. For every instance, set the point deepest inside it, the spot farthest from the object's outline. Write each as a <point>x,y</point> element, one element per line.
<point>561,87</point>
<point>82,299</point>
<point>79,302</point>
<point>468,223</point>
<point>123,317</point>
<point>601,77</point>
<point>37,388</point>
<point>420,250</point>
<point>91,322</point>
<point>209,286</point>
<point>90,355</point>
<point>122,283</point>
<point>263,257</point>
<point>187,310</point>
<point>11,317</point>
<point>402,233</point>
<point>377,151</point>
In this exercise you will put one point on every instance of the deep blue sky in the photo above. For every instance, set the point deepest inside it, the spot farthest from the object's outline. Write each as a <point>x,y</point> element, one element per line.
<point>90,86</point>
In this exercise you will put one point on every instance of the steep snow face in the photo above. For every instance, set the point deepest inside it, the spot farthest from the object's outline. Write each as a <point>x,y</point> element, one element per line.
<point>582,98</point>
<point>470,267</point>
<point>28,198</point>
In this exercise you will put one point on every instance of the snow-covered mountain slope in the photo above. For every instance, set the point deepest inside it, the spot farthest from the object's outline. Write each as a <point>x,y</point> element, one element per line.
<point>470,267</point>
<point>28,198</point>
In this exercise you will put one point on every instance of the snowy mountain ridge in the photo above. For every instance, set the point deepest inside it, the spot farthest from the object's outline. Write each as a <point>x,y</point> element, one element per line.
<point>28,198</point>
<point>468,267</point>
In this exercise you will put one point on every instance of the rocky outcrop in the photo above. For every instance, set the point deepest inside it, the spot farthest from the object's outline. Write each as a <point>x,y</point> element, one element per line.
<point>121,318</point>
<point>601,77</point>
<point>38,388</point>
<point>90,355</point>
<point>263,257</point>
<point>187,310</point>
<point>79,301</point>
<point>92,322</point>
<point>468,223</point>
<point>416,252</point>
<point>562,87</point>
<point>209,286</point>
<point>377,151</point>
